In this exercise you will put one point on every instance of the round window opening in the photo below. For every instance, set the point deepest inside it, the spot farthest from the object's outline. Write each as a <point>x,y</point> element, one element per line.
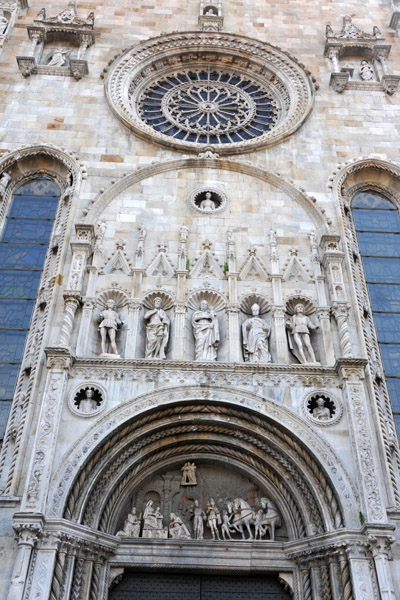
<point>195,90</point>
<point>206,107</point>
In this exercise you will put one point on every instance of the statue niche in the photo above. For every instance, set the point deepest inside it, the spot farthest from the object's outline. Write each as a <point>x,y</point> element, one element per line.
<point>299,327</point>
<point>157,330</point>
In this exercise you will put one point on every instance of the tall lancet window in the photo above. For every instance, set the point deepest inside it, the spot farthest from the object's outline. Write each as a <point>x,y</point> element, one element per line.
<point>378,229</point>
<point>23,248</point>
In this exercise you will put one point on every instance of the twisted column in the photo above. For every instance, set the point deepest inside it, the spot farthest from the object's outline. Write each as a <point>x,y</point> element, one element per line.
<point>345,576</point>
<point>341,312</point>
<point>71,301</point>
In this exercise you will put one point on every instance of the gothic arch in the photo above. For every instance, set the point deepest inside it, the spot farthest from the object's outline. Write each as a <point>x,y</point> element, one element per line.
<point>167,427</point>
<point>349,178</point>
<point>297,195</point>
<point>28,162</point>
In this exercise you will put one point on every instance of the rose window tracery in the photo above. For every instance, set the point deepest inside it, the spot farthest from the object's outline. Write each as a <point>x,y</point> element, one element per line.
<point>208,107</point>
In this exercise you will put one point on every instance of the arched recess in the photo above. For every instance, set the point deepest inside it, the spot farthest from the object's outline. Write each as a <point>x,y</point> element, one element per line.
<point>102,200</point>
<point>23,165</point>
<point>167,428</point>
<point>384,177</point>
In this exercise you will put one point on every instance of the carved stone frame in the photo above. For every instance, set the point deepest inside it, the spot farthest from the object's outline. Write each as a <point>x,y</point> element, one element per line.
<point>335,399</point>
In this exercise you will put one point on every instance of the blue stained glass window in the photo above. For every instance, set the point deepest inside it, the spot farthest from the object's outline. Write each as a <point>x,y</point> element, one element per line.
<point>19,284</point>
<point>27,230</point>
<point>23,249</point>
<point>378,225</point>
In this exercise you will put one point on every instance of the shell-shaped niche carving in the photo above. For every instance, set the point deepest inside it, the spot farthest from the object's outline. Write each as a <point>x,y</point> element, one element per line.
<point>119,296</point>
<point>308,303</point>
<point>214,299</point>
<point>248,300</point>
<point>166,299</point>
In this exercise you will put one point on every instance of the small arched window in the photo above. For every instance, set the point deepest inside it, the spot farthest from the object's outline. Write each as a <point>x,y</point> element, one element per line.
<point>377,224</point>
<point>23,248</point>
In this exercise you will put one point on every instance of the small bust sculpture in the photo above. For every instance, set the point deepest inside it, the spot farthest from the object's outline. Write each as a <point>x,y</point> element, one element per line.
<point>207,204</point>
<point>88,404</point>
<point>366,71</point>
<point>255,337</point>
<point>321,411</point>
<point>157,331</point>
<point>109,322</point>
<point>206,332</point>
<point>299,326</point>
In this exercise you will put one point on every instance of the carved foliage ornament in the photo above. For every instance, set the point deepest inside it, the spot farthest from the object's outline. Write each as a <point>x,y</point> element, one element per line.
<point>192,90</point>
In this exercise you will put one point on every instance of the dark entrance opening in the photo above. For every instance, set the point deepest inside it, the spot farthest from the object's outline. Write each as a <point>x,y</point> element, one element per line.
<point>184,586</point>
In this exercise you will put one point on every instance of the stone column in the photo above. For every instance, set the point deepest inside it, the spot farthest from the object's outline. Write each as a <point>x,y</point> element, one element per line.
<point>351,372</point>
<point>340,311</point>
<point>179,349</point>
<point>58,364</point>
<point>279,317</point>
<point>335,577</point>
<point>133,323</point>
<point>71,303</point>
<point>41,576</point>
<point>347,590</point>
<point>324,318</point>
<point>28,536</point>
<point>362,573</point>
<point>380,546</point>
<point>235,347</point>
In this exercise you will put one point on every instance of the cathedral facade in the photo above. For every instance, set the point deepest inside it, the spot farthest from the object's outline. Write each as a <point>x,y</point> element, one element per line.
<point>199,300</point>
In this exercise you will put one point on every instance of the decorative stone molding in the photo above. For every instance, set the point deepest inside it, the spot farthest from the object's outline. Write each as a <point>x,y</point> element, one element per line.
<point>308,303</point>
<point>166,298</point>
<point>66,30</point>
<point>119,296</point>
<point>281,77</point>
<point>351,42</point>
<point>214,299</point>
<point>333,404</point>
<point>198,201</point>
<point>248,300</point>
<point>8,14</point>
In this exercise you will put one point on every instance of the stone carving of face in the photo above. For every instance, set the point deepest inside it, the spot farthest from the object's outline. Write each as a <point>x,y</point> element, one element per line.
<point>321,403</point>
<point>299,308</point>
<point>204,305</point>
<point>255,310</point>
<point>157,302</point>
<point>110,304</point>
<point>89,394</point>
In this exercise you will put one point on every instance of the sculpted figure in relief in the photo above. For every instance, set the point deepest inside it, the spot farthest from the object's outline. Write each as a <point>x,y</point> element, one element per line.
<point>3,23</point>
<point>366,71</point>
<point>177,529</point>
<point>321,412</point>
<point>131,527</point>
<point>206,332</point>
<point>299,326</point>
<point>4,181</point>
<point>189,474</point>
<point>157,331</point>
<point>152,519</point>
<point>213,518</point>
<point>198,518</point>
<point>255,338</point>
<point>109,322</point>
<point>58,58</point>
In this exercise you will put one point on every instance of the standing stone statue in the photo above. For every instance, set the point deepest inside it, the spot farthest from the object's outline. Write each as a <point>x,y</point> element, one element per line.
<point>131,527</point>
<point>213,518</point>
<point>157,331</point>
<point>299,326</point>
<point>198,518</point>
<point>206,332</point>
<point>321,412</point>
<point>189,474</point>
<point>177,529</point>
<point>88,404</point>
<point>109,322</point>
<point>255,338</point>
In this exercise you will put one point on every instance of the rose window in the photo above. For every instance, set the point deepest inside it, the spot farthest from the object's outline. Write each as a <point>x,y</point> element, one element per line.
<point>208,107</point>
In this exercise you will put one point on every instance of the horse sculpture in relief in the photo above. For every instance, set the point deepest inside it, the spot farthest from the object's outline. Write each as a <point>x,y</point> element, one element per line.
<point>241,516</point>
